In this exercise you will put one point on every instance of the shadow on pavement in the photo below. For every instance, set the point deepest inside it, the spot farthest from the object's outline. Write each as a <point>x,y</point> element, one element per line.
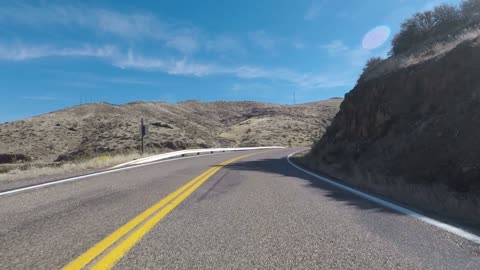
<point>280,166</point>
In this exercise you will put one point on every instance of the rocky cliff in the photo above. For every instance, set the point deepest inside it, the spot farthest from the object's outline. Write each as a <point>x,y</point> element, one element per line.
<point>412,134</point>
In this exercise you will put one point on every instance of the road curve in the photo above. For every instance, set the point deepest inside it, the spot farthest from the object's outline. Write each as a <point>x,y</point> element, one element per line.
<point>256,212</point>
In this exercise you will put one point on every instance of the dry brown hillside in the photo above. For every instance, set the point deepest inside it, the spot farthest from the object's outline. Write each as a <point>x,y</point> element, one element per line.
<point>89,130</point>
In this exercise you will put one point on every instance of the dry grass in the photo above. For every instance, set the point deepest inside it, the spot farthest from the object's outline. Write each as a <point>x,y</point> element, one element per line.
<point>24,171</point>
<point>395,63</point>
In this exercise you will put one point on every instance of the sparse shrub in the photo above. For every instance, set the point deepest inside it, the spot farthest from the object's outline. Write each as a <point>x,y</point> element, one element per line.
<point>470,11</point>
<point>51,147</point>
<point>371,64</point>
<point>442,23</point>
<point>35,170</point>
<point>445,14</point>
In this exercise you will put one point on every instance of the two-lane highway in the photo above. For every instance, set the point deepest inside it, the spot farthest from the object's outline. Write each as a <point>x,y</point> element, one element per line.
<point>226,211</point>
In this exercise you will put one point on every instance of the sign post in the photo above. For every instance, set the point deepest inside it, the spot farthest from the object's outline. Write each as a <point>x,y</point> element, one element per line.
<point>143,133</point>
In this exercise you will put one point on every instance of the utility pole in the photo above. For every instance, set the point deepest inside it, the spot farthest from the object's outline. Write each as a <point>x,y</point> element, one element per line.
<point>294,100</point>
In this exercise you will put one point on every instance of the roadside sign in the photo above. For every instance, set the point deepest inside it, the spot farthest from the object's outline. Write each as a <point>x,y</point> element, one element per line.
<point>143,132</point>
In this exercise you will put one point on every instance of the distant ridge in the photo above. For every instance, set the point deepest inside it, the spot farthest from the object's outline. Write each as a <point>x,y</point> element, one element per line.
<point>94,129</point>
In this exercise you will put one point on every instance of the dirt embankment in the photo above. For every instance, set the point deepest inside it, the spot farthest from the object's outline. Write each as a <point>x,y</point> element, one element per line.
<point>95,129</point>
<point>413,135</point>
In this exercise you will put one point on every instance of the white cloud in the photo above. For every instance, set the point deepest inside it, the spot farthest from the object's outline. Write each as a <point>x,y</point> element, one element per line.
<point>185,39</point>
<point>174,67</point>
<point>261,39</point>
<point>224,44</point>
<point>335,47</point>
<point>191,68</point>
<point>186,44</point>
<point>19,52</point>
<point>313,10</point>
<point>184,67</point>
<point>353,57</point>
<point>104,22</point>
<point>124,25</point>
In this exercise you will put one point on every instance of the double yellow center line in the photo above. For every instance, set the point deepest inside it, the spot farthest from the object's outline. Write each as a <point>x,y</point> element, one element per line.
<point>149,217</point>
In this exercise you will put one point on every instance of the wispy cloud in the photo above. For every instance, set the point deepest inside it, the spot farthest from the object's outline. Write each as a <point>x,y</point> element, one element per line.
<point>334,47</point>
<point>191,68</point>
<point>355,57</point>
<point>174,67</point>
<point>180,67</point>
<point>100,20</point>
<point>105,23</point>
<point>109,25</point>
<point>261,39</point>
<point>19,52</point>
<point>124,25</point>
<point>186,43</point>
<point>224,43</point>
<point>313,10</point>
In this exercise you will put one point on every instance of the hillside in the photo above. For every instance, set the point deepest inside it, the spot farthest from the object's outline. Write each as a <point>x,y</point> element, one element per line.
<point>93,129</point>
<point>412,134</point>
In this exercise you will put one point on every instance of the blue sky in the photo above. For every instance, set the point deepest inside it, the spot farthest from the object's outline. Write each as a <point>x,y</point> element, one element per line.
<point>55,54</point>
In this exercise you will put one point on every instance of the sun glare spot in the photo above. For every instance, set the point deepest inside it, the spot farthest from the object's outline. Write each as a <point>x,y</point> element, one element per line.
<point>376,37</point>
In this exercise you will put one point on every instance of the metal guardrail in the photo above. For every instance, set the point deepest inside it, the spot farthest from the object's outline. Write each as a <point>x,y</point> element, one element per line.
<point>191,152</point>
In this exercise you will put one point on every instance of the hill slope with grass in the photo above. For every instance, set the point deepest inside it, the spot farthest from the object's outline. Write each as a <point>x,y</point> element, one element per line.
<point>90,130</point>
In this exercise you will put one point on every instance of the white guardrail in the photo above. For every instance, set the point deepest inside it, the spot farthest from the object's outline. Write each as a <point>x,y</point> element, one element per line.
<point>183,153</point>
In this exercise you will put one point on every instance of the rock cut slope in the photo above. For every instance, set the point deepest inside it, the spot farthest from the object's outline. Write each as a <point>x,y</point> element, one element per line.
<point>93,129</point>
<point>413,134</point>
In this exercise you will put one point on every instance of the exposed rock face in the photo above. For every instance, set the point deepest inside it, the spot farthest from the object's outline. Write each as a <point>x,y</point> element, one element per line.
<point>418,125</point>
<point>89,130</point>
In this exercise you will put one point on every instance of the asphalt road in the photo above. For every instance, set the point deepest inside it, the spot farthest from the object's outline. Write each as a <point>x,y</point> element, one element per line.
<point>256,213</point>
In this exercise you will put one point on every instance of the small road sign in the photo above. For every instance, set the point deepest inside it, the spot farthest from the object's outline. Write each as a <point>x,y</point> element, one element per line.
<point>143,132</point>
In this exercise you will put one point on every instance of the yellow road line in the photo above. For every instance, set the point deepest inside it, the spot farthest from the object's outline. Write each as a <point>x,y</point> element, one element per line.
<point>169,202</point>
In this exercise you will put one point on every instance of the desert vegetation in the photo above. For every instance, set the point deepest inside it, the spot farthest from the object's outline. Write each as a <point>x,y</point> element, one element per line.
<point>443,23</point>
<point>100,135</point>
<point>426,35</point>
<point>26,170</point>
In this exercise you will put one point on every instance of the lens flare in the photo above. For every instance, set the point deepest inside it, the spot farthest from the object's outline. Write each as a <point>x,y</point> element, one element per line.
<point>376,37</point>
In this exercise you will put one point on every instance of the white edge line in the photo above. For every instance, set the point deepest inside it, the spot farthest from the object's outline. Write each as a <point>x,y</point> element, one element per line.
<point>449,228</point>
<point>56,182</point>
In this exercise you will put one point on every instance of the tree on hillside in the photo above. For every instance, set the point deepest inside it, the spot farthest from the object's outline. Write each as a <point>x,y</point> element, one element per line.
<point>445,15</point>
<point>426,28</point>
<point>370,66</point>
<point>403,40</point>
<point>470,10</point>
<point>424,21</point>
<point>372,62</point>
